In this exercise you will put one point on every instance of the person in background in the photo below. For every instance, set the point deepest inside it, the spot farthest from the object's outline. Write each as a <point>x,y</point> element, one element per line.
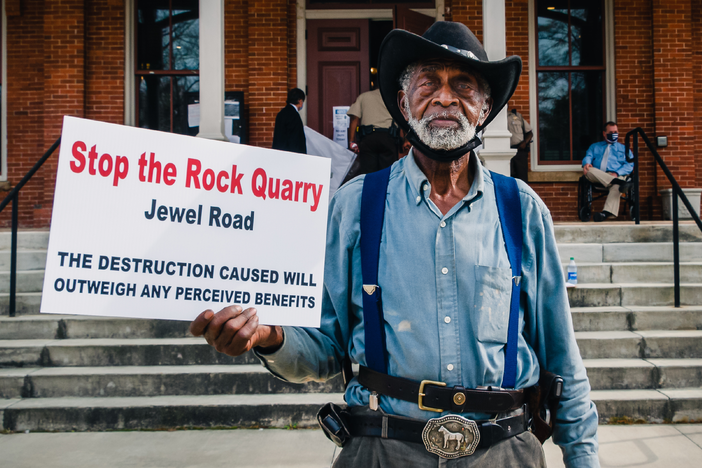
<point>605,163</point>
<point>521,138</point>
<point>372,134</point>
<point>289,132</point>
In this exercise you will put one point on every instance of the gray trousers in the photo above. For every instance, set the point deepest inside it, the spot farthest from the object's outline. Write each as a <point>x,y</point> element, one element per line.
<point>523,450</point>
<point>604,178</point>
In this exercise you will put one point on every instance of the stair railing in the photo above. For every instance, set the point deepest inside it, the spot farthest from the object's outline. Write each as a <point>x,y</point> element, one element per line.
<point>677,192</point>
<point>13,197</point>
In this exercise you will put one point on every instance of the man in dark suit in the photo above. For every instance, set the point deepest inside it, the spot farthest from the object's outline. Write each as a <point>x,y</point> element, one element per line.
<point>289,133</point>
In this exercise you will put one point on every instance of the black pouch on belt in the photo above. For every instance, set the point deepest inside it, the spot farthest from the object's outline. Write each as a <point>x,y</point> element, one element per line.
<point>544,399</point>
<point>331,420</point>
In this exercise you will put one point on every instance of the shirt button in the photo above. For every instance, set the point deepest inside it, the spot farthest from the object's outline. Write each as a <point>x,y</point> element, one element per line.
<point>426,187</point>
<point>450,367</point>
<point>444,270</point>
<point>443,224</point>
<point>447,319</point>
<point>419,199</point>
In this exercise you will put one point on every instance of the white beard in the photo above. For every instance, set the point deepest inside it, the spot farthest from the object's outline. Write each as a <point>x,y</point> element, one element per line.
<point>442,138</point>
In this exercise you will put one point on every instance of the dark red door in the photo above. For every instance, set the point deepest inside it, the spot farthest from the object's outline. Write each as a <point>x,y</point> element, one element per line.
<point>404,18</point>
<point>338,68</point>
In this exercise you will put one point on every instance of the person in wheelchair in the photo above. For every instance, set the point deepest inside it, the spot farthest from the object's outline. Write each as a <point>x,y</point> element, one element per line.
<point>605,163</point>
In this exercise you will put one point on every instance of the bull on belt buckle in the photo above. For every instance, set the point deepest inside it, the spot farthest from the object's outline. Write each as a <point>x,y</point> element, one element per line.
<point>451,436</point>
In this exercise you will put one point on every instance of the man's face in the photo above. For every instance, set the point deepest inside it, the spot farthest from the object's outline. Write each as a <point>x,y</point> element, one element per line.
<point>443,104</point>
<point>610,129</point>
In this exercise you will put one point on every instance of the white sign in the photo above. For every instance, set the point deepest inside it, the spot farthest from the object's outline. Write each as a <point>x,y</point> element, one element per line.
<point>341,125</point>
<point>149,224</point>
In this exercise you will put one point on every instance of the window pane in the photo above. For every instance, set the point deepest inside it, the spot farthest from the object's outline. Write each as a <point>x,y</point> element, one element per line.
<point>553,33</point>
<point>554,116</point>
<point>155,102</point>
<point>153,35</point>
<point>586,32</point>
<point>186,90</point>
<point>186,35</point>
<point>587,111</point>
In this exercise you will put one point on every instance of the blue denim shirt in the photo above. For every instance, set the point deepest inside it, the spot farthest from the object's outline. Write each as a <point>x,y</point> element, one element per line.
<point>616,161</point>
<point>446,291</point>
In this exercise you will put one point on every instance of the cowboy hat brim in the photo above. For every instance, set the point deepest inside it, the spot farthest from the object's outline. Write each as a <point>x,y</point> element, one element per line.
<point>402,48</point>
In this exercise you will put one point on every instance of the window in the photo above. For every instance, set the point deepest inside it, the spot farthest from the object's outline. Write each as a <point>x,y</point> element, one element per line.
<point>570,78</point>
<point>167,64</point>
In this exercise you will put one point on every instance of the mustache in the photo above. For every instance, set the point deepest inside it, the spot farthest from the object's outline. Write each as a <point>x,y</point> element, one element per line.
<point>445,115</point>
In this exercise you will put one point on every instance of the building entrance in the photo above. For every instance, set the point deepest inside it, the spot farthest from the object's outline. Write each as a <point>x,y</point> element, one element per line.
<point>342,60</point>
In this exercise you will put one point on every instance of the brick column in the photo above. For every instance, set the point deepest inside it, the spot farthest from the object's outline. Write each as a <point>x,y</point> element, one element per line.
<point>64,80</point>
<point>25,112</point>
<point>268,67</point>
<point>697,64</point>
<point>674,88</point>
<point>468,12</point>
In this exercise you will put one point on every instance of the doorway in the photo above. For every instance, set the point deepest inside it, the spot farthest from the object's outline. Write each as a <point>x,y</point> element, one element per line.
<point>342,60</point>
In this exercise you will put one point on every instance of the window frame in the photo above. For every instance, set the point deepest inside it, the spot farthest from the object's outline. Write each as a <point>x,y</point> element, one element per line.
<point>609,90</point>
<point>136,73</point>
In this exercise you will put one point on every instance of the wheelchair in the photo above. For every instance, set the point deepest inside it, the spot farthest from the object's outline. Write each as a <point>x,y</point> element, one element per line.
<point>589,191</point>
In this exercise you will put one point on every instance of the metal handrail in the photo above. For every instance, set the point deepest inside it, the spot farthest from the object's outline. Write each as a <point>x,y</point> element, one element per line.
<point>677,192</point>
<point>13,197</point>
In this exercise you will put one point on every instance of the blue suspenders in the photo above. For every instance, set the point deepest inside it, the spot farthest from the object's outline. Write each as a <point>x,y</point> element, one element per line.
<point>372,215</point>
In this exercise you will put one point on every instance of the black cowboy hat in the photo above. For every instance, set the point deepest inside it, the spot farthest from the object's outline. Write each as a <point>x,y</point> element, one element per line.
<point>443,40</point>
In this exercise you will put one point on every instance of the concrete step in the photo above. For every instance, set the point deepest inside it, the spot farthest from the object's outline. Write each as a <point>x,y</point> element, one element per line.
<point>25,303</point>
<point>666,344</point>
<point>148,381</point>
<point>632,294</point>
<point>163,412</point>
<point>49,326</point>
<point>629,374</point>
<point>608,233</point>
<point>26,239</point>
<point>26,260</point>
<point>678,405</point>
<point>636,272</point>
<point>631,252</point>
<point>637,318</point>
<point>114,352</point>
<point>27,281</point>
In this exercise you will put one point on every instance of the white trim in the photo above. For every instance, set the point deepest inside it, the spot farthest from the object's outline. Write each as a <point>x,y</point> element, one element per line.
<point>379,14</point>
<point>129,77</point>
<point>3,96</point>
<point>610,72</point>
<point>610,85</point>
<point>301,62</point>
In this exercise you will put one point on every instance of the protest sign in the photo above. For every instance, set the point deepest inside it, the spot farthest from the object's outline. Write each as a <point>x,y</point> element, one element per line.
<point>150,224</point>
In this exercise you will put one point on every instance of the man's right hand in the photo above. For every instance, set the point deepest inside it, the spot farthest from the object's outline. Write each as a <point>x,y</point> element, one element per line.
<point>586,168</point>
<point>234,331</point>
<point>354,147</point>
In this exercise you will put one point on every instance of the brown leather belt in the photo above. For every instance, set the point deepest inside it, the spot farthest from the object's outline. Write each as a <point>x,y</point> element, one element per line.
<point>436,396</point>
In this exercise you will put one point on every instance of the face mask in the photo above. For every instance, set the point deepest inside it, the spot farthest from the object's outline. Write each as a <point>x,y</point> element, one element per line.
<point>612,137</point>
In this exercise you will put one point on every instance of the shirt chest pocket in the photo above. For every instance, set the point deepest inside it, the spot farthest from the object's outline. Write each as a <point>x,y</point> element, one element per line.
<point>491,300</point>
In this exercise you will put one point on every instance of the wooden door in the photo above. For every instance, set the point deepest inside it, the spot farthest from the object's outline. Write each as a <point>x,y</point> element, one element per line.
<point>338,68</point>
<point>404,18</point>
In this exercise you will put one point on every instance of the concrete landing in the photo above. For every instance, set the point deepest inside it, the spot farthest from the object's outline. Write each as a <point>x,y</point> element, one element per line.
<point>649,446</point>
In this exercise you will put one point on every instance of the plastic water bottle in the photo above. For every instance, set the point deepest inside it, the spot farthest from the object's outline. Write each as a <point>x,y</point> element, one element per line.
<point>572,272</point>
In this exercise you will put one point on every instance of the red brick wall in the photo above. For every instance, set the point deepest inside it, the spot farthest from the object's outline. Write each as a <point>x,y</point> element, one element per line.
<point>104,60</point>
<point>236,50</point>
<point>292,44</point>
<point>697,64</point>
<point>674,87</point>
<point>635,94</point>
<point>470,13</point>
<point>268,67</point>
<point>25,112</point>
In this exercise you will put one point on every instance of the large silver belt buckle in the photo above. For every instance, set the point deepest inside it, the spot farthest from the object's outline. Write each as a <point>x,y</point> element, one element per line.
<point>451,436</point>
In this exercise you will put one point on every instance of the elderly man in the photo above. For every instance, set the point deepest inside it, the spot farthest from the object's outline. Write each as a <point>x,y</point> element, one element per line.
<point>446,289</point>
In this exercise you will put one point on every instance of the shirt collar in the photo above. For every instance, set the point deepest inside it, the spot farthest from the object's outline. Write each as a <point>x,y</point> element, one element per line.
<point>417,180</point>
<point>295,107</point>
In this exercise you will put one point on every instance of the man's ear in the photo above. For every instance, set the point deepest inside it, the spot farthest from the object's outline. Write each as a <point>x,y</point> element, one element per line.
<point>488,109</point>
<point>401,96</point>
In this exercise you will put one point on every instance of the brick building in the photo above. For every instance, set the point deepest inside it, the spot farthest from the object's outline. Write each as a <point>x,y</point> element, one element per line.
<point>139,62</point>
